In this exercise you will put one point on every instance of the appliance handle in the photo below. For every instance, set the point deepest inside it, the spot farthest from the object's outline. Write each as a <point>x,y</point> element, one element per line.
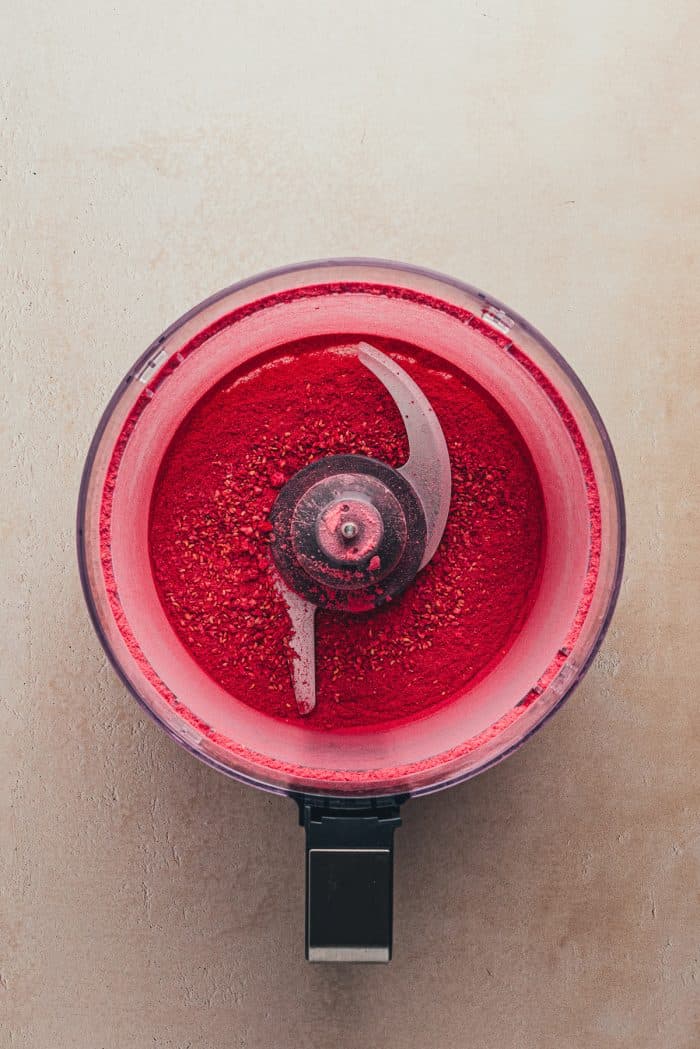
<point>349,877</point>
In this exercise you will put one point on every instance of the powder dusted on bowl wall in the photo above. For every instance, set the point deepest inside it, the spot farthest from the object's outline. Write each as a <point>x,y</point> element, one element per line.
<point>209,535</point>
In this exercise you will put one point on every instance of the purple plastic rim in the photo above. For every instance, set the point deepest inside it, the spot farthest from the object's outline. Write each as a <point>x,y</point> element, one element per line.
<point>393,267</point>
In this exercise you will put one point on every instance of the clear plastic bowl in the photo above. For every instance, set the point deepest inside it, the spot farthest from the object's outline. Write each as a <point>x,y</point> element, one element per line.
<point>571,450</point>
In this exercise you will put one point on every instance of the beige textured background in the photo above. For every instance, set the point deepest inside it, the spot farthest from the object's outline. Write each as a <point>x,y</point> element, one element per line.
<point>152,152</point>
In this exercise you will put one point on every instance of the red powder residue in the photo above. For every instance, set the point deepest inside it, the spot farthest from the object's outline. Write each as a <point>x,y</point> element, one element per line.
<point>209,535</point>
<point>380,779</point>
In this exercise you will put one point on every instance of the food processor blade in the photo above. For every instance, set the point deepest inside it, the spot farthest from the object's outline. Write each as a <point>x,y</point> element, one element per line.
<point>427,470</point>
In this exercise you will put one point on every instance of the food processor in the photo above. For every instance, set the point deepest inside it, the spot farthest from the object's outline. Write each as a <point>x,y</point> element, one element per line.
<point>287,542</point>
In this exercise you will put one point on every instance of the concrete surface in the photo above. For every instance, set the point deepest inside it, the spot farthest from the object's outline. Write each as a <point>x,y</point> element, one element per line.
<point>151,153</point>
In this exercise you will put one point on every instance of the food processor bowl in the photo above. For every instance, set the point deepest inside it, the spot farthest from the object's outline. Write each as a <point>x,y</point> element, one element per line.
<point>359,770</point>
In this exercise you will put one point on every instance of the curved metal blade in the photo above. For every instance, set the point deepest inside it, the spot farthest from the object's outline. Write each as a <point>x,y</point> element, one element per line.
<point>302,614</point>
<point>428,466</point>
<point>428,472</point>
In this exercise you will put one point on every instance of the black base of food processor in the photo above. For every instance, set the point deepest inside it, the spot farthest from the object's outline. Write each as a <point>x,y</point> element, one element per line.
<point>349,876</point>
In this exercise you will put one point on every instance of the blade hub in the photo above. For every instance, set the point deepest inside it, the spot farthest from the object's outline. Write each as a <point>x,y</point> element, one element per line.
<point>349,533</point>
